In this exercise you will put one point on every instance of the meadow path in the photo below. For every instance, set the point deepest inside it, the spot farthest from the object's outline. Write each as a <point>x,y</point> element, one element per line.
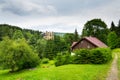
<point>113,73</point>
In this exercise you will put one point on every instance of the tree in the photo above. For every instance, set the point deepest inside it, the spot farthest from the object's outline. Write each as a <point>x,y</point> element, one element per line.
<point>18,35</point>
<point>69,39</point>
<point>76,35</point>
<point>118,43</point>
<point>113,27</point>
<point>96,28</point>
<point>40,47</point>
<point>32,41</point>
<point>48,52</point>
<point>112,40</point>
<point>118,29</point>
<point>17,55</point>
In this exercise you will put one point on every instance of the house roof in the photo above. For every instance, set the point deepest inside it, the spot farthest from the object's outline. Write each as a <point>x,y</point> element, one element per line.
<point>73,43</point>
<point>92,40</point>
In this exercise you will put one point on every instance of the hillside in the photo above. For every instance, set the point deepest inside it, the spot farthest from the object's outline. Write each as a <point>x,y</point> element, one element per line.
<point>9,30</point>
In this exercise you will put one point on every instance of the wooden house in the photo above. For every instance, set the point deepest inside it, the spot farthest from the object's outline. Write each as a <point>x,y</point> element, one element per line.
<point>88,43</point>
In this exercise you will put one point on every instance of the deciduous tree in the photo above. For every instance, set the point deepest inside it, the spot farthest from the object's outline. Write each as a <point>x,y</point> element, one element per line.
<point>96,28</point>
<point>112,40</point>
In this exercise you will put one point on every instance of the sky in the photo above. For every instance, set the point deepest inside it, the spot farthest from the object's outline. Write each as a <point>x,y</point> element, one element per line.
<point>57,15</point>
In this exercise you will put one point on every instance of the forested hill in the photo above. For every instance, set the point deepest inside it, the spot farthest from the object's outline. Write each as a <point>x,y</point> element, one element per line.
<point>34,39</point>
<point>9,30</point>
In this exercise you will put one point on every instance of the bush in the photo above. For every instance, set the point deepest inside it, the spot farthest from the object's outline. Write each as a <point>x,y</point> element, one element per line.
<point>81,56</point>
<point>63,59</point>
<point>17,55</point>
<point>45,60</point>
<point>101,55</point>
<point>94,56</point>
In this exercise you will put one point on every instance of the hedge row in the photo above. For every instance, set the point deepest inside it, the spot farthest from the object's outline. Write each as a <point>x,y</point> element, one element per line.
<point>94,56</point>
<point>85,56</point>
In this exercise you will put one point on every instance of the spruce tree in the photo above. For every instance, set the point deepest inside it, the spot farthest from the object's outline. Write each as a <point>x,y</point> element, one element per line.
<point>112,28</point>
<point>76,35</point>
<point>118,29</point>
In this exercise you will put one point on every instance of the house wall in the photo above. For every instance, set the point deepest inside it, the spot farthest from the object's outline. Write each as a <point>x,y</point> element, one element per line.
<point>84,44</point>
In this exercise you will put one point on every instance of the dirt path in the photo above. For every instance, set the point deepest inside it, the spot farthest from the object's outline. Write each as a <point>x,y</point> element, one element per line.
<point>113,73</point>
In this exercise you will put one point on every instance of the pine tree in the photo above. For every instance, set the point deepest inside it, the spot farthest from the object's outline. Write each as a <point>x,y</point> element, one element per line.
<point>76,35</point>
<point>112,28</point>
<point>118,29</point>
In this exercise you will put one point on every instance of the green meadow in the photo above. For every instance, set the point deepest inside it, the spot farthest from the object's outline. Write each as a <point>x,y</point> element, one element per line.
<point>66,72</point>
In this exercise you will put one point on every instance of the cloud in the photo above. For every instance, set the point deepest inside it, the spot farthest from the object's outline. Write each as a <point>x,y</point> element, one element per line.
<point>26,7</point>
<point>72,7</point>
<point>57,15</point>
<point>56,28</point>
<point>108,13</point>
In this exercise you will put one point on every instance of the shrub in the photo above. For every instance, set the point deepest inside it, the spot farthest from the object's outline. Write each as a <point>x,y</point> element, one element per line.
<point>100,55</point>
<point>17,55</point>
<point>45,60</point>
<point>62,59</point>
<point>82,56</point>
<point>94,56</point>
<point>59,60</point>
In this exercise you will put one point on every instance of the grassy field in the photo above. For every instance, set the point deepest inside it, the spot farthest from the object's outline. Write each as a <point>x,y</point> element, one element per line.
<point>66,72</point>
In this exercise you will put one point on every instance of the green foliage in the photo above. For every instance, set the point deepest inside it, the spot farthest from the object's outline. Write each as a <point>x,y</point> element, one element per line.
<point>116,29</point>
<point>112,40</point>
<point>7,30</point>
<point>45,60</point>
<point>101,55</point>
<point>113,27</point>
<point>82,56</point>
<point>40,47</point>
<point>96,28</point>
<point>62,59</point>
<point>48,52</point>
<point>53,47</point>
<point>94,56</point>
<point>17,55</point>
<point>59,61</point>
<point>18,35</point>
<point>118,43</point>
<point>69,38</point>
<point>76,35</point>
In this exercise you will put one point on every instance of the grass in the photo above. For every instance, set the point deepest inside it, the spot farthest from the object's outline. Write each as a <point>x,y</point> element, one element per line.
<point>66,72</point>
<point>117,51</point>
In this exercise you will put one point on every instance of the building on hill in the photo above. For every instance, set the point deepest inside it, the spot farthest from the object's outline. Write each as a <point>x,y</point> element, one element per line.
<point>88,43</point>
<point>48,35</point>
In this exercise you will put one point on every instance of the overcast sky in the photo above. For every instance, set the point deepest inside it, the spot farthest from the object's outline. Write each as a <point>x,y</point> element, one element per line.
<point>57,15</point>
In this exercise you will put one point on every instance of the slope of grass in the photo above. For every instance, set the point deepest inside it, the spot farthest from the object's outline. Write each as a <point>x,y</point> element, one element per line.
<point>66,72</point>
